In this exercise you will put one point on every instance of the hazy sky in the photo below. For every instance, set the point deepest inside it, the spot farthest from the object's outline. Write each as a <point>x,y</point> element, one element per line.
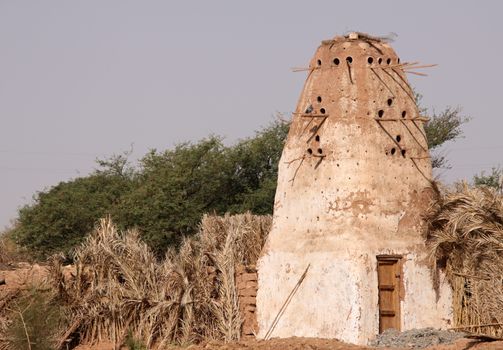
<point>86,79</point>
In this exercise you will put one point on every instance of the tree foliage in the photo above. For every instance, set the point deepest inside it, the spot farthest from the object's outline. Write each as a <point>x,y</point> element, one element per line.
<point>60,217</point>
<point>174,189</point>
<point>441,128</point>
<point>494,179</point>
<point>164,197</point>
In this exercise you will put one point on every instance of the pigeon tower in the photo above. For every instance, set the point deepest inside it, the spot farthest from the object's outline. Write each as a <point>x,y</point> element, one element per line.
<point>354,180</point>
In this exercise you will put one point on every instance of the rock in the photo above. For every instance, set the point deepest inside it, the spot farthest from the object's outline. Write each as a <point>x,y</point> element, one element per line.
<point>415,338</point>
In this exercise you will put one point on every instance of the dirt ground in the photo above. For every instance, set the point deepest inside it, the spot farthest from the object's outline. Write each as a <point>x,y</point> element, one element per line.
<point>311,344</point>
<point>418,339</point>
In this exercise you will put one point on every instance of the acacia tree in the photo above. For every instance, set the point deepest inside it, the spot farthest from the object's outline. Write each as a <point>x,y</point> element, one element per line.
<point>441,128</point>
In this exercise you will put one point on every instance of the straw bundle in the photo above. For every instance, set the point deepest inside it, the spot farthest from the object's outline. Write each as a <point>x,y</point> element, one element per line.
<point>466,235</point>
<point>3,251</point>
<point>119,287</point>
<point>8,250</point>
<point>6,299</point>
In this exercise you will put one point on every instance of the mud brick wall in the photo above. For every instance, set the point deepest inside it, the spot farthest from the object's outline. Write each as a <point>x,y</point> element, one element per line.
<point>246,281</point>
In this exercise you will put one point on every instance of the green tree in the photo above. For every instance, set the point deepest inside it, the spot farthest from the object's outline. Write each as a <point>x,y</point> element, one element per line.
<point>441,128</point>
<point>255,169</point>
<point>494,179</point>
<point>176,187</point>
<point>60,217</point>
<point>165,197</point>
<point>173,190</point>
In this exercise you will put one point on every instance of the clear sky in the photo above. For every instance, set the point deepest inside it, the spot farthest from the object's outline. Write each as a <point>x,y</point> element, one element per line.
<point>86,79</point>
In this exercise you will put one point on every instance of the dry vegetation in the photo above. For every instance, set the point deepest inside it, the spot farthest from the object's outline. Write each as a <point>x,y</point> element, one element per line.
<point>466,235</point>
<point>34,322</point>
<point>119,288</point>
<point>3,255</point>
<point>5,316</point>
<point>9,251</point>
<point>29,317</point>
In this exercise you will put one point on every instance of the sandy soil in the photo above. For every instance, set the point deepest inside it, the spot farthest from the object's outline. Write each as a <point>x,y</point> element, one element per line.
<point>310,344</point>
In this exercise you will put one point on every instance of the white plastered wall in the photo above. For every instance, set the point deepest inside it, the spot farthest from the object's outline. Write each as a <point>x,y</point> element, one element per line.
<point>339,297</point>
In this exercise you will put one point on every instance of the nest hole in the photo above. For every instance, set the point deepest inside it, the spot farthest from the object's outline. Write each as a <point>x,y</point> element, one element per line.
<point>390,101</point>
<point>319,62</point>
<point>322,110</point>
<point>379,60</point>
<point>370,60</point>
<point>317,138</point>
<point>388,61</point>
<point>403,153</point>
<point>318,98</point>
<point>404,114</point>
<point>393,151</point>
<point>349,59</point>
<point>398,138</point>
<point>310,151</point>
<point>337,61</point>
<point>380,113</point>
<point>320,151</point>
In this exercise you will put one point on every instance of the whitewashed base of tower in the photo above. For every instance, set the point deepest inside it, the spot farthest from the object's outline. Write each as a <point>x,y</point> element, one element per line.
<point>341,301</point>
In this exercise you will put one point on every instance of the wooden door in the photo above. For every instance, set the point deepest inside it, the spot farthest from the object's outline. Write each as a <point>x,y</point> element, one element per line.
<point>389,277</point>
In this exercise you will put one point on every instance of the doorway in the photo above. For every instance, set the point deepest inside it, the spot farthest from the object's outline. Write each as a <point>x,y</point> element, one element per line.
<point>389,279</point>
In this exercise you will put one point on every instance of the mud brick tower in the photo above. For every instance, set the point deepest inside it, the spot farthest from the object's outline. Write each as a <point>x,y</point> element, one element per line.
<point>354,181</point>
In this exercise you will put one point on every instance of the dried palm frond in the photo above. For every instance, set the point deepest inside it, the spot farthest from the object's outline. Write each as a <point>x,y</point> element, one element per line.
<point>120,288</point>
<point>466,232</point>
